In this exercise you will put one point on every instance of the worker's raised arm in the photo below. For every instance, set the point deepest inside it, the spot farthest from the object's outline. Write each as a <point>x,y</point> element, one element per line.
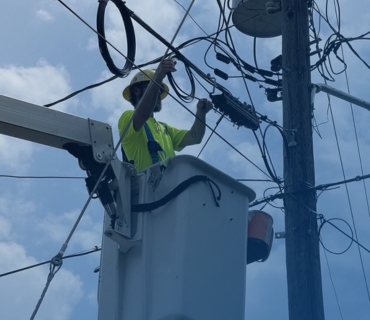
<point>148,95</point>
<point>196,133</point>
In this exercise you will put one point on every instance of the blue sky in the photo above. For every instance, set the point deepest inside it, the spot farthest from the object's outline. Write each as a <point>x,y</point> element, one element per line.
<point>47,53</point>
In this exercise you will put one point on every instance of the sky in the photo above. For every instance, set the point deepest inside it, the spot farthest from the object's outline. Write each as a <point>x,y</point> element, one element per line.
<point>47,53</point>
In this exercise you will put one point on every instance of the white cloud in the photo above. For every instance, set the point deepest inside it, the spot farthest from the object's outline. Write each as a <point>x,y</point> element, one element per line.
<point>10,204</point>
<point>15,154</point>
<point>44,15</point>
<point>25,288</point>
<point>40,84</point>
<point>56,227</point>
<point>5,227</point>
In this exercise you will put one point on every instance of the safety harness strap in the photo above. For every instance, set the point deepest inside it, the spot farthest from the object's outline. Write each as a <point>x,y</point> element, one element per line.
<point>153,146</point>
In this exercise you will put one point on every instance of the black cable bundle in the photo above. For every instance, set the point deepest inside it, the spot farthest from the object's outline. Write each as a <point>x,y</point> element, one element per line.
<point>179,92</point>
<point>130,33</point>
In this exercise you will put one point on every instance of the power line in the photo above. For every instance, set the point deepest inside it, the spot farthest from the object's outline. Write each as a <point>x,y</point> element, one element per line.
<point>324,221</point>
<point>83,253</point>
<point>348,198</point>
<point>234,148</point>
<point>57,261</point>
<point>38,177</point>
<point>337,14</point>
<point>332,283</point>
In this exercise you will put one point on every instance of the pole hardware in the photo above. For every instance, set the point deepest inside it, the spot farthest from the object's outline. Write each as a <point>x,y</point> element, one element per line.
<point>280,235</point>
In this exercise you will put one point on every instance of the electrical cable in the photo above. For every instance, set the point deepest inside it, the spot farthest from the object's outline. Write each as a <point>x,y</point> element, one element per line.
<point>349,200</point>
<point>357,142</point>
<point>232,48</point>
<point>348,236</point>
<point>255,180</point>
<point>130,51</point>
<point>53,270</point>
<point>332,283</point>
<point>79,91</point>
<point>130,34</point>
<point>210,136</point>
<point>329,222</point>
<point>38,177</point>
<point>187,98</point>
<point>191,17</point>
<point>57,261</point>
<point>319,187</point>
<point>212,132</point>
<point>195,68</point>
<point>335,48</point>
<point>191,65</point>
<point>96,249</point>
<point>245,65</point>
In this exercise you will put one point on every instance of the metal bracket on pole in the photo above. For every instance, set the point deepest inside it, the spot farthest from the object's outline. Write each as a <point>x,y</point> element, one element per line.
<point>341,95</point>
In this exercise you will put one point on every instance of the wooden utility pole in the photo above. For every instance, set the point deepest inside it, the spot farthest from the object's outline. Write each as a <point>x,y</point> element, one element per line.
<point>302,242</point>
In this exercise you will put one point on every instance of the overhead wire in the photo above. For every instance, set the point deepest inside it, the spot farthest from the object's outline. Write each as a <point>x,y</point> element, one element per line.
<point>57,261</point>
<point>356,137</point>
<point>110,80</point>
<point>191,17</point>
<point>324,221</point>
<point>332,284</point>
<point>232,47</point>
<point>187,43</point>
<point>348,198</point>
<point>235,149</point>
<point>341,163</point>
<point>334,45</point>
<point>79,254</point>
<point>209,137</point>
<point>38,177</point>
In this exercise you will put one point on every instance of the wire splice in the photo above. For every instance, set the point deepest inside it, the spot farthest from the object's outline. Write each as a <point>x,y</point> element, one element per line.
<point>239,113</point>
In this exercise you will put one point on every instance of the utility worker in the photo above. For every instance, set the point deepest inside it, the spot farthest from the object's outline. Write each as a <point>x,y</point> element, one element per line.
<point>148,141</point>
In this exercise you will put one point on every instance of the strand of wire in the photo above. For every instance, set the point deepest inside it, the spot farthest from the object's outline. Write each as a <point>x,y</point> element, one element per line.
<point>322,187</point>
<point>245,65</point>
<point>334,42</point>
<point>118,144</point>
<point>341,231</point>
<point>52,273</point>
<point>83,253</point>
<point>356,136</point>
<point>207,126</point>
<point>348,197</point>
<point>152,82</point>
<point>352,215</point>
<point>194,115</point>
<point>210,136</point>
<point>332,284</point>
<point>53,269</point>
<point>38,177</point>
